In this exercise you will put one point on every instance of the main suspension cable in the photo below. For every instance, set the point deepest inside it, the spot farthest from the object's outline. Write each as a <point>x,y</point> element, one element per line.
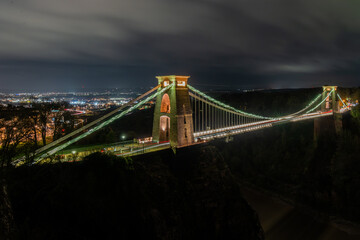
<point>105,123</point>
<point>225,107</point>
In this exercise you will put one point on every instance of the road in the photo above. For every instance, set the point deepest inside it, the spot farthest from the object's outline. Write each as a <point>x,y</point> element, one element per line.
<point>128,148</point>
<point>146,149</point>
<point>209,135</point>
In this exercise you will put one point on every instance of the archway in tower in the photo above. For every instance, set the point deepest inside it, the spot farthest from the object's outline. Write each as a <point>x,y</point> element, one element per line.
<point>165,104</point>
<point>164,129</point>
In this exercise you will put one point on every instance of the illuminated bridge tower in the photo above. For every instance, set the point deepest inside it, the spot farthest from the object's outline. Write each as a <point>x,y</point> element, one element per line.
<point>173,113</point>
<point>331,126</point>
<point>331,102</point>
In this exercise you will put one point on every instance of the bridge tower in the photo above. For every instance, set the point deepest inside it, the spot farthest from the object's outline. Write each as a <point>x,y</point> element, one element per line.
<point>173,119</point>
<point>332,125</point>
<point>331,102</point>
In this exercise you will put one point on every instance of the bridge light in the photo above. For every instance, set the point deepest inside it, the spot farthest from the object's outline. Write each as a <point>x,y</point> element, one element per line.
<point>181,83</point>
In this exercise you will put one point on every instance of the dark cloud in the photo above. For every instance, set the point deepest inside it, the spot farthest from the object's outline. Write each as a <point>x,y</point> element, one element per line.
<point>46,44</point>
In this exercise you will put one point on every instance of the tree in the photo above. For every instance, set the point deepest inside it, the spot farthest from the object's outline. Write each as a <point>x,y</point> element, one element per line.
<point>15,128</point>
<point>110,136</point>
<point>355,114</point>
<point>59,122</point>
<point>44,113</point>
<point>34,116</point>
<point>13,132</point>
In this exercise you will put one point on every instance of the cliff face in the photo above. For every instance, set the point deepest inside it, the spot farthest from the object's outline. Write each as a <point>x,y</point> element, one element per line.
<point>187,195</point>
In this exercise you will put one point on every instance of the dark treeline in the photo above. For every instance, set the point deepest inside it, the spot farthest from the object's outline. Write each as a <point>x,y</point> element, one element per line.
<point>190,195</point>
<point>276,103</point>
<point>321,172</point>
<point>24,129</point>
<point>289,160</point>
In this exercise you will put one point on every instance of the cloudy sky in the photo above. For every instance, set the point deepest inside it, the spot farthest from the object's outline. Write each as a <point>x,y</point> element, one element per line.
<point>69,44</point>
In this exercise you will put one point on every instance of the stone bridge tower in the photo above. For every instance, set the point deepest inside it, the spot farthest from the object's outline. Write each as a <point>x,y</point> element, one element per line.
<point>331,102</point>
<point>330,126</point>
<point>173,119</point>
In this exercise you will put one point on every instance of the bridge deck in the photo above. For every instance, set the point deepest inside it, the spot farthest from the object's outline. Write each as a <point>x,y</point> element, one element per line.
<point>239,129</point>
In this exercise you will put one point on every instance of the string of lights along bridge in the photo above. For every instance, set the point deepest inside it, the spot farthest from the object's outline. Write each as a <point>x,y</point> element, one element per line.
<point>184,116</point>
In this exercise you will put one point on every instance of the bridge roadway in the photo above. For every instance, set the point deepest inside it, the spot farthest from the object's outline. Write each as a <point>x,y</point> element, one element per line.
<point>131,148</point>
<point>126,148</point>
<point>234,130</point>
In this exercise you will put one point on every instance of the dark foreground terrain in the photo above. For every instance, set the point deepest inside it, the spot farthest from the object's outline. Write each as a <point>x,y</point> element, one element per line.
<point>195,194</point>
<point>314,174</point>
<point>321,172</point>
<point>190,195</point>
<point>282,220</point>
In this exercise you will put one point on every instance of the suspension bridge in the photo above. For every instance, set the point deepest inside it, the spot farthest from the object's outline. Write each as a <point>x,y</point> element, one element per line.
<point>184,116</point>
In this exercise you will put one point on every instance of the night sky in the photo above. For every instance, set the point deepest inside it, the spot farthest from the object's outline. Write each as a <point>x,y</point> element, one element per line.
<point>70,44</point>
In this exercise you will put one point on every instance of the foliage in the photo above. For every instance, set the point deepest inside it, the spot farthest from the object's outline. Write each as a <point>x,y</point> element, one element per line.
<point>14,129</point>
<point>355,113</point>
<point>345,174</point>
<point>322,173</point>
<point>158,196</point>
<point>20,127</point>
